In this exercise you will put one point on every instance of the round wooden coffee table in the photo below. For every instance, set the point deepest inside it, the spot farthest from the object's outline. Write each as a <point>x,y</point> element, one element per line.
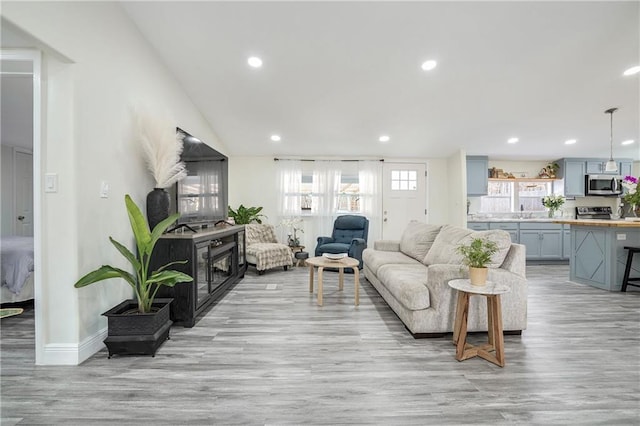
<point>322,262</point>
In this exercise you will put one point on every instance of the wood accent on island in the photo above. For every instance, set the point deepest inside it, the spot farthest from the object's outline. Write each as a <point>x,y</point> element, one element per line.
<point>597,255</point>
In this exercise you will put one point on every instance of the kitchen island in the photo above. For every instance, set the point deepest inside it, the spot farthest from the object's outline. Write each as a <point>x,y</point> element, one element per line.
<point>597,256</point>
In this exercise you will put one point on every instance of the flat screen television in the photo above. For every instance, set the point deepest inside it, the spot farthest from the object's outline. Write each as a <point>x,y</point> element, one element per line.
<point>201,197</point>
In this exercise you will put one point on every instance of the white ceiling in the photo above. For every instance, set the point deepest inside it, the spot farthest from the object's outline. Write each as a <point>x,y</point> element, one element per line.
<point>336,75</point>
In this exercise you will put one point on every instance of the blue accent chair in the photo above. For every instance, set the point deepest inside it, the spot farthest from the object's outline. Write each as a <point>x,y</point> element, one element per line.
<point>349,236</point>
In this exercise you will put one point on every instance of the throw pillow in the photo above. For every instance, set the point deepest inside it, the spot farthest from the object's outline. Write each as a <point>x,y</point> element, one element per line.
<point>417,239</point>
<point>444,248</point>
<point>502,240</point>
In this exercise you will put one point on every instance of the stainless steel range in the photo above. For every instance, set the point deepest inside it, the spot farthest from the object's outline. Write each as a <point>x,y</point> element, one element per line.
<point>593,212</point>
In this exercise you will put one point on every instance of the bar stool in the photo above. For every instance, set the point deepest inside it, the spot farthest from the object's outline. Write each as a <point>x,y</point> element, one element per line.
<point>627,270</point>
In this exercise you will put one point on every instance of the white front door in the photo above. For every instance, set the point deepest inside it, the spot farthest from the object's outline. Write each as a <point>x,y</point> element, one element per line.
<point>404,197</point>
<point>23,166</point>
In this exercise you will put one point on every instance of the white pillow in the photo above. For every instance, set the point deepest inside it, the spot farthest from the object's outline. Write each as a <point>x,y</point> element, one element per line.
<point>417,239</point>
<point>445,247</point>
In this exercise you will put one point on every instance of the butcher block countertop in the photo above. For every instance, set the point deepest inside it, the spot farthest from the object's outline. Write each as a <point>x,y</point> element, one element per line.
<point>621,223</point>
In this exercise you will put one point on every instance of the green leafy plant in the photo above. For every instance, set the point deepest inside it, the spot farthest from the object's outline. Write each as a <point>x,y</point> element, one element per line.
<point>145,283</point>
<point>245,215</point>
<point>478,252</point>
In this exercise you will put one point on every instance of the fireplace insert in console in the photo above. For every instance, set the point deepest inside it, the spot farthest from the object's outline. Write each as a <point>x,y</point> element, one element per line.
<point>213,260</point>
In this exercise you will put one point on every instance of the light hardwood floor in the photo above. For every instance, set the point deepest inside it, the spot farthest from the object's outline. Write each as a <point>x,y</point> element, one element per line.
<point>267,354</point>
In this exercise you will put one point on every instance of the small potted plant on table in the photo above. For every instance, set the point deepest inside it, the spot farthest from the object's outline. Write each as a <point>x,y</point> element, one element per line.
<point>141,325</point>
<point>477,254</point>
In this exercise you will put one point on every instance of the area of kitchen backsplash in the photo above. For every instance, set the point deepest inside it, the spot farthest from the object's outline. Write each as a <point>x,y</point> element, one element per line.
<point>567,211</point>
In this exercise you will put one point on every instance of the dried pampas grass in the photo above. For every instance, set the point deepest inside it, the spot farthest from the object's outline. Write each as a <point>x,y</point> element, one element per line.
<point>161,147</point>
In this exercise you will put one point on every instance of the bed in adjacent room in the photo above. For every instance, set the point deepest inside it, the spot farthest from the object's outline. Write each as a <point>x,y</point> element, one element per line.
<point>16,254</point>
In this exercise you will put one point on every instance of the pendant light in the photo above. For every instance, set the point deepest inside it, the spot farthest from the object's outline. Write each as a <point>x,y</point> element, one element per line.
<point>611,166</point>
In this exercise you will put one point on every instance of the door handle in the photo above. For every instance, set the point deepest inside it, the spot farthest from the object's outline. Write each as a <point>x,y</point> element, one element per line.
<point>20,217</point>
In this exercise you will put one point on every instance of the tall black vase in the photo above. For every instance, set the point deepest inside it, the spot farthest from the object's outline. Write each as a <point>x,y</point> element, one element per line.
<point>157,206</point>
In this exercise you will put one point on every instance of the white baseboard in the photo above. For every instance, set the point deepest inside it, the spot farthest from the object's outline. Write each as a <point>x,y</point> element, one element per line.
<point>73,353</point>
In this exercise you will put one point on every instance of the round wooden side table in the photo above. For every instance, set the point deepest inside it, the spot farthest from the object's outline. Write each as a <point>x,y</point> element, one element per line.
<point>493,351</point>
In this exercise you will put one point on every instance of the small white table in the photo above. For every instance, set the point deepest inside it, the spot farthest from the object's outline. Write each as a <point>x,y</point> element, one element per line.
<point>494,321</point>
<point>322,262</point>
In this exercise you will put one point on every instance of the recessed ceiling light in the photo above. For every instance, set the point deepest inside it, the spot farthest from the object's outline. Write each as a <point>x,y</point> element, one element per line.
<point>276,138</point>
<point>384,138</point>
<point>255,62</point>
<point>512,140</point>
<point>628,142</point>
<point>429,65</point>
<point>632,70</point>
<point>570,141</point>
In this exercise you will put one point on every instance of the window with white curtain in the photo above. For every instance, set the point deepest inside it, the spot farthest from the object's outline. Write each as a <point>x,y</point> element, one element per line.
<point>322,190</point>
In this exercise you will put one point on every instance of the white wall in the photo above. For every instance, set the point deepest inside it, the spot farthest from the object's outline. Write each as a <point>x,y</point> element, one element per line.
<point>457,188</point>
<point>6,198</point>
<point>87,138</point>
<point>253,182</point>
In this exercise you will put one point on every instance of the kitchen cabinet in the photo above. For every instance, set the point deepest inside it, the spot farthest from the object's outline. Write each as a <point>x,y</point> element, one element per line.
<point>566,241</point>
<point>478,226</point>
<point>625,167</point>
<point>543,240</point>
<point>572,172</point>
<point>477,175</point>
<point>597,167</point>
<point>511,227</point>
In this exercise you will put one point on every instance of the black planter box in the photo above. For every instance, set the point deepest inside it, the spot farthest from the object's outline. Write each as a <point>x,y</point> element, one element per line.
<point>142,334</point>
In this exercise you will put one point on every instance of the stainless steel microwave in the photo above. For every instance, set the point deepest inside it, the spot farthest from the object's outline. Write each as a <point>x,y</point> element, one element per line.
<point>610,185</point>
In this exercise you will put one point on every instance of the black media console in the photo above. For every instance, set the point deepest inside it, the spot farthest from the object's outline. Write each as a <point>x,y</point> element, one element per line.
<point>216,261</point>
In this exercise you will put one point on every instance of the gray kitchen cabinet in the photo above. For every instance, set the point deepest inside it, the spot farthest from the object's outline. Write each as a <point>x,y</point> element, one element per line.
<point>478,226</point>
<point>566,241</point>
<point>511,227</point>
<point>625,167</point>
<point>572,172</point>
<point>543,240</point>
<point>597,167</point>
<point>477,175</point>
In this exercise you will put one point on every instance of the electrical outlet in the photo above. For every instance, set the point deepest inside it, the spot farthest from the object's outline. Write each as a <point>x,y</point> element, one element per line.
<point>104,189</point>
<point>621,237</point>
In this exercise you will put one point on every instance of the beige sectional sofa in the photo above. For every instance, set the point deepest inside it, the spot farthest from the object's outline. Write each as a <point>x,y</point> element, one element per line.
<point>412,275</point>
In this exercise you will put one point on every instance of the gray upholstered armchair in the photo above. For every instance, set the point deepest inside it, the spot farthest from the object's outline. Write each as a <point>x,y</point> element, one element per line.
<point>349,236</point>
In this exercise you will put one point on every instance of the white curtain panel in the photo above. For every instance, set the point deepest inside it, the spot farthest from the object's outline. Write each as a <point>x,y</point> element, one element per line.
<point>289,199</point>
<point>326,187</point>
<point>370,180</point>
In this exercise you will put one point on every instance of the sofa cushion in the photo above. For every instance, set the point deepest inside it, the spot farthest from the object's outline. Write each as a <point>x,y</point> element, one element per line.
<point>374,259</point>
<point>417,239</point>
<point>444,248</point>
<point>407,284</point>
<point>502,240</point>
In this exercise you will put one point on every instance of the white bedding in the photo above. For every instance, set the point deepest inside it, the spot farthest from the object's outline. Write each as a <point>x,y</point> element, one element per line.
<point>17,262</point>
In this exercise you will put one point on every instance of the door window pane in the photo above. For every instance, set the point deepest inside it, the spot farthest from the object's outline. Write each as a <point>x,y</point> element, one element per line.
<point>404,180</point>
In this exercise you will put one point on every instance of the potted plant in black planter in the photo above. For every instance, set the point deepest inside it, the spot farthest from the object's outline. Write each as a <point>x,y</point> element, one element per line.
<point>141,325</point>
<point>477,254</point>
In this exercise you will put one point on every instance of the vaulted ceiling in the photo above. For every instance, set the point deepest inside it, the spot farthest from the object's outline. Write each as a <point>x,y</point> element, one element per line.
<point>337,75</point>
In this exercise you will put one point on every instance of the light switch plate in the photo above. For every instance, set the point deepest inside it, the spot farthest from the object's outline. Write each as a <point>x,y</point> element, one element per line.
<point>51,182</point>
<point>621,237</point>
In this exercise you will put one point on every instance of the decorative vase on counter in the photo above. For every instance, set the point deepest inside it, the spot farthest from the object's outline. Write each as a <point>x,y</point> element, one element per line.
<point>552,213</point>
<point>157,206</point>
